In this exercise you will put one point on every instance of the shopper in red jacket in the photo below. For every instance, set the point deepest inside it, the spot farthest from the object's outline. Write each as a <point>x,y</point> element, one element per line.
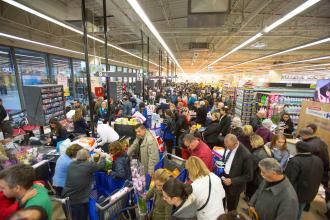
<point>199,149</point>
<point>9,206</point>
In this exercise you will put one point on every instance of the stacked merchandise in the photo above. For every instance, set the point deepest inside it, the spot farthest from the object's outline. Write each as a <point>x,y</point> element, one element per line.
<point>44,102</point>
<point>116,90</point>
<point>229,92</point>
<point>275,104</point>
<point>244,103</point>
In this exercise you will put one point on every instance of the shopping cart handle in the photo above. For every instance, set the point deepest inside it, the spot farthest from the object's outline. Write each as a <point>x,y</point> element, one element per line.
<point>60,200</point>
<point>174,156</point>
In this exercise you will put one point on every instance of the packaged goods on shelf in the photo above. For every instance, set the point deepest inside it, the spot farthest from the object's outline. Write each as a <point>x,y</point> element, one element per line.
<point>44,102</point>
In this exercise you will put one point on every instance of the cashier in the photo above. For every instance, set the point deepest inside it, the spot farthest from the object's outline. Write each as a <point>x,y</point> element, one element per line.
<point>106,135</point>
<point>58,134</point>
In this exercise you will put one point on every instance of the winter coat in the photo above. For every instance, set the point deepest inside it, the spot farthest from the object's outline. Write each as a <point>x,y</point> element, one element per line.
<point>121,167</point>
<point>187,211</point>
<point>168,128</point>
<point>305,173</point>
<point>147,152</point>
<point>127,108</point>
<point>224,125</point>
<point>255,122</point>
<point>80,126</point>
<point>265,133</point>
<point>278,202</point>
<point>237,131</point>
<point>211,134</point>
<point>160,209</point>
<point>245,141</point>
<point>201,114</point>
<point>256,156</point>
<point>182,124</point>
<point>103,114</point>
<point>319,148</point>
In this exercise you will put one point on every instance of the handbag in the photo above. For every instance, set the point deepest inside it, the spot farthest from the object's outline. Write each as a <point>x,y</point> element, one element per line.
<point>208,197</point>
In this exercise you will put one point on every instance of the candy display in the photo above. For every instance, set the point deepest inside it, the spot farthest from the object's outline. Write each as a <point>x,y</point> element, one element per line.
<point>244,103</point>
<point>126,121</point>
<point>88,143</point>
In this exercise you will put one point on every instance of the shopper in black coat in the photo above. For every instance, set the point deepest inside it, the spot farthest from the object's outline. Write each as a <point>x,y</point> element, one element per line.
<point>224,122</point>
<point>259,152</point>
<point>79,123</point>
<point>212,131</point>
<point>317,147</point>
<point>305,172</point>
<point>201,113</point>
<point>238,173</point>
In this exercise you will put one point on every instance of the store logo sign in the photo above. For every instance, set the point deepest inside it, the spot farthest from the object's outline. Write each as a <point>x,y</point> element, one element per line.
<point>318,113</point>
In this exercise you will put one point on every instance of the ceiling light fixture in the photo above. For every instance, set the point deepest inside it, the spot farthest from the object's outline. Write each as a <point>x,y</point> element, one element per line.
<point>325,40</point>
<point>290,15</point>
<point>285,18</point>
<point>138,9</point>
<point>54,47</point>
<point>64,25</point>
<point>303,61</point>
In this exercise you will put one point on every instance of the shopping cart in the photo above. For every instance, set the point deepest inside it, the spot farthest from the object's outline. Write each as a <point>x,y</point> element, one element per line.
<point>171,162</point>
<point>112,207</point>
<point>105,184</point>
<point>65,204</point>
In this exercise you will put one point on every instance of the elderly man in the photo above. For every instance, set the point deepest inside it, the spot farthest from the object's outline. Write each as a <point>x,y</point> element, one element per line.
<point>238,170</point>
<point>257,119</point>
<point>275,198</point>
<point>145,147</point>
<point>199,149</point>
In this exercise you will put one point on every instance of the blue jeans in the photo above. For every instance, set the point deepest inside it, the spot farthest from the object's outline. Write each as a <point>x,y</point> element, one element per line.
<point>301,209</point>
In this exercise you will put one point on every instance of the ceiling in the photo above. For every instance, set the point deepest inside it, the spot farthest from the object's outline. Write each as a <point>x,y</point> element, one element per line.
<point>245,18</point>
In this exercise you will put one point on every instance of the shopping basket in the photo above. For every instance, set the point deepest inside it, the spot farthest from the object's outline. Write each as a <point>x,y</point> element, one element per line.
<point>217,153</point>
<point>105,184</point>
<point>170,162</point>
<point>112,207</point>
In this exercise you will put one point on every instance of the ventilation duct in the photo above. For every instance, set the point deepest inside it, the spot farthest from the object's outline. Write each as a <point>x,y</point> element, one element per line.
<point>198,46</point>
<point>207,13</point>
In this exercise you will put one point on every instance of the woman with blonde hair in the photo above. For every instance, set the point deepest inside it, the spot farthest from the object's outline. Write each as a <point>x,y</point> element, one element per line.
<point>79,123</point>
<point>244,138</point>
<point>160,209</point>
<point>259,152</point>
<point>279,148</point>
<point>207,188</point>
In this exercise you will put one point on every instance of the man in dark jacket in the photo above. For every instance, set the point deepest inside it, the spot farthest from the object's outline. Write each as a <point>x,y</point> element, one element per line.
<point>305,172</point>
<point>201,113</point>
<point>275,198</point>
<point>238,170</point>
<point>257,119</point>
<point>319,148</point>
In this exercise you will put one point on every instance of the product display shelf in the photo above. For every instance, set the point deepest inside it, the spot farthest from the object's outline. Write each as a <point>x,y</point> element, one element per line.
<point>44,102</point>
<point>244,103</point>
<point>276,103</point>
<point>116,90</point>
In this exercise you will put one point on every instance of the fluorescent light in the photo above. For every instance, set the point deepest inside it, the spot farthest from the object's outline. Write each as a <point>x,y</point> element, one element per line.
<point>2,52</point>
<point>54,47</point>
<point>284,51</point>
<point>288,16</point>
<point>64,25</point>
<point>137,8</point>
<point>251,39</point>
<point>303,61</point>
<point>291,14</point>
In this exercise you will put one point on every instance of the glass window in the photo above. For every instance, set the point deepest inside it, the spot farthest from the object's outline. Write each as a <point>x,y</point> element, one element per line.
<point>32,67</point>
<point>61,73</point>
<point>119,69</point>
<point>125,69</point>
<point>112,68</point>
<point>8,85</point>
<point>79,72</point>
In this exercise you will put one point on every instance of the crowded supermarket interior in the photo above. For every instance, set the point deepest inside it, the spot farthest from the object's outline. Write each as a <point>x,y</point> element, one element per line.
<point>164,109</point>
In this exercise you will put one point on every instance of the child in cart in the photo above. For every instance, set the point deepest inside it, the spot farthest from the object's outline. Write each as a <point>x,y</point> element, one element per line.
<point>160,210</point>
